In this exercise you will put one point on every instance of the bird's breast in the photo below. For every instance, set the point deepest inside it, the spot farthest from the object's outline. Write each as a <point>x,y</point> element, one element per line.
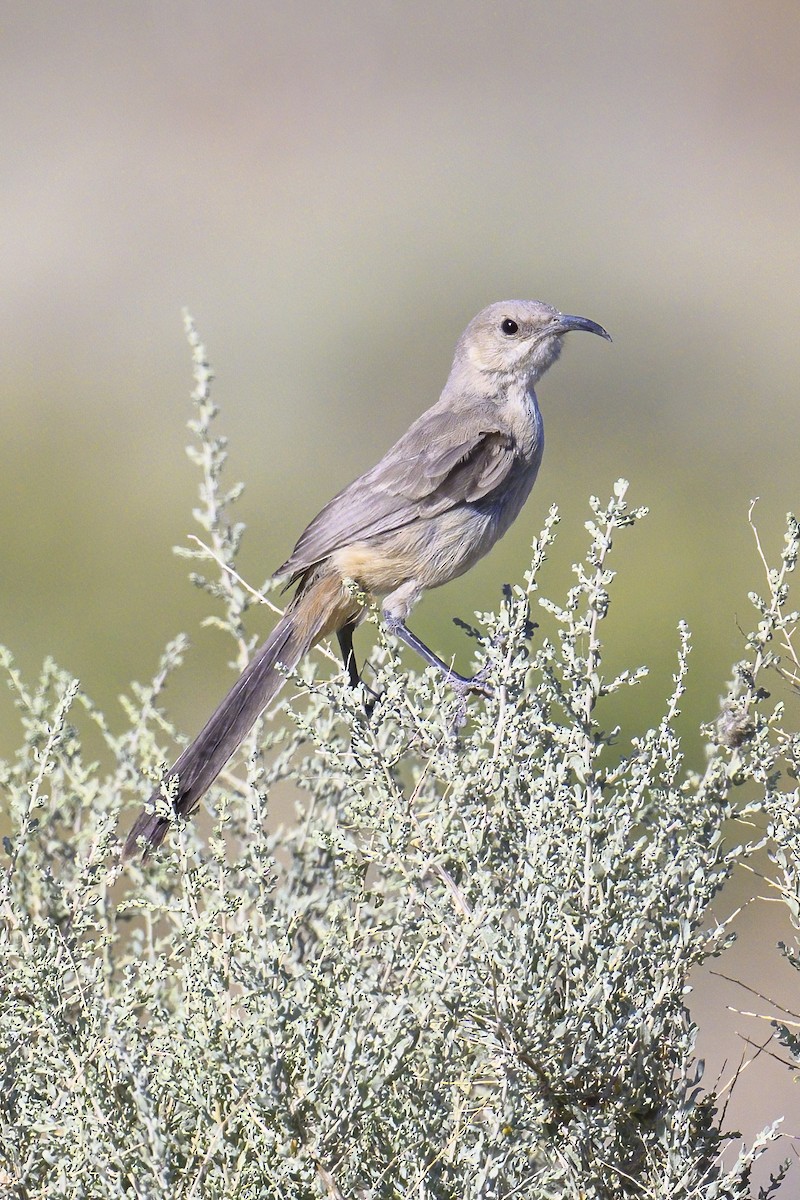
<point>522,415</point>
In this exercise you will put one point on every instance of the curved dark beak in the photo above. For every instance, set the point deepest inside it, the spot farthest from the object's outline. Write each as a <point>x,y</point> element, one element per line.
<point>568,323</point>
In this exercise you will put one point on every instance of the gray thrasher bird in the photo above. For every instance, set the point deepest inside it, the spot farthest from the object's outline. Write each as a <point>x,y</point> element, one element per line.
<point>434,504</point>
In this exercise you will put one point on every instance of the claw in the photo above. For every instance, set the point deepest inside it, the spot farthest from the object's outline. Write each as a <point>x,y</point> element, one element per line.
<point>465,684</point>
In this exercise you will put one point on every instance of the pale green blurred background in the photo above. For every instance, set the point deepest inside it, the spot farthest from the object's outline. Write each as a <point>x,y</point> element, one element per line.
<point>334,190</point>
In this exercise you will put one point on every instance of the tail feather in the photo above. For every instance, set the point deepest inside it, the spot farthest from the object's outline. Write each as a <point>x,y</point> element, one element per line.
<point>201,762</point>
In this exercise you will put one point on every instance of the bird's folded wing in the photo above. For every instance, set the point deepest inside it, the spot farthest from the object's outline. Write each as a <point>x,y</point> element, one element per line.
<point>438,464</point>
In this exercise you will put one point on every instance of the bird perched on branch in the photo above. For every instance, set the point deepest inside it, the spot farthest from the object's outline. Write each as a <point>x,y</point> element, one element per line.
<point>436,502</point>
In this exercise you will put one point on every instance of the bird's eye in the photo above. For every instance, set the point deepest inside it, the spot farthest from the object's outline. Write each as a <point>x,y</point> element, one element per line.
<point>509,327</point>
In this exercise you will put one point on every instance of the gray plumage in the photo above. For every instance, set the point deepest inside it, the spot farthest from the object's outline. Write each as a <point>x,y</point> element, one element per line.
<point>436,502</point>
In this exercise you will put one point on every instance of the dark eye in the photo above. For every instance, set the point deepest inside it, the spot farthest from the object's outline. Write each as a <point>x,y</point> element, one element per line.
<point>509,327</point>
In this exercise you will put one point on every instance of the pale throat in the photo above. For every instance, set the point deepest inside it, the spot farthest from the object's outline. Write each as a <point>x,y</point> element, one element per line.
<point>521,410</point>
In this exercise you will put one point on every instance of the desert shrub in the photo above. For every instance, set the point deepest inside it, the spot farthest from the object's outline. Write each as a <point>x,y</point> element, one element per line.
<point>461,972</point>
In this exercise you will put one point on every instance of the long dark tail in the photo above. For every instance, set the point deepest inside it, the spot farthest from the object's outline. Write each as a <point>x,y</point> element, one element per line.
<point>309,617</point>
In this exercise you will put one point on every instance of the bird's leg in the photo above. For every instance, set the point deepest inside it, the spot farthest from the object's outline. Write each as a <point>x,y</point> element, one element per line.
<point>344,636</point>
<point>461,683</point>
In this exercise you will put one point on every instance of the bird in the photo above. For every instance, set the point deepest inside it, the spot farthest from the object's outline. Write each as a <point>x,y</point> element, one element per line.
<point>433,505</point>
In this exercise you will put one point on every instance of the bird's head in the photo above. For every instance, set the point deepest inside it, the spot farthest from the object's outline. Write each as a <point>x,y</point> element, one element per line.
<point>516,340</point>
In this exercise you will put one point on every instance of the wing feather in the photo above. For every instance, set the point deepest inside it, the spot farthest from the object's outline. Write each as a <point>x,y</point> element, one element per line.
<point>441,462</point>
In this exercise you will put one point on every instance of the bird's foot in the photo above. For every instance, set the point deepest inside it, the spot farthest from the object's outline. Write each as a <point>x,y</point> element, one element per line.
<point>463,685</point>
<point>466,685</point>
